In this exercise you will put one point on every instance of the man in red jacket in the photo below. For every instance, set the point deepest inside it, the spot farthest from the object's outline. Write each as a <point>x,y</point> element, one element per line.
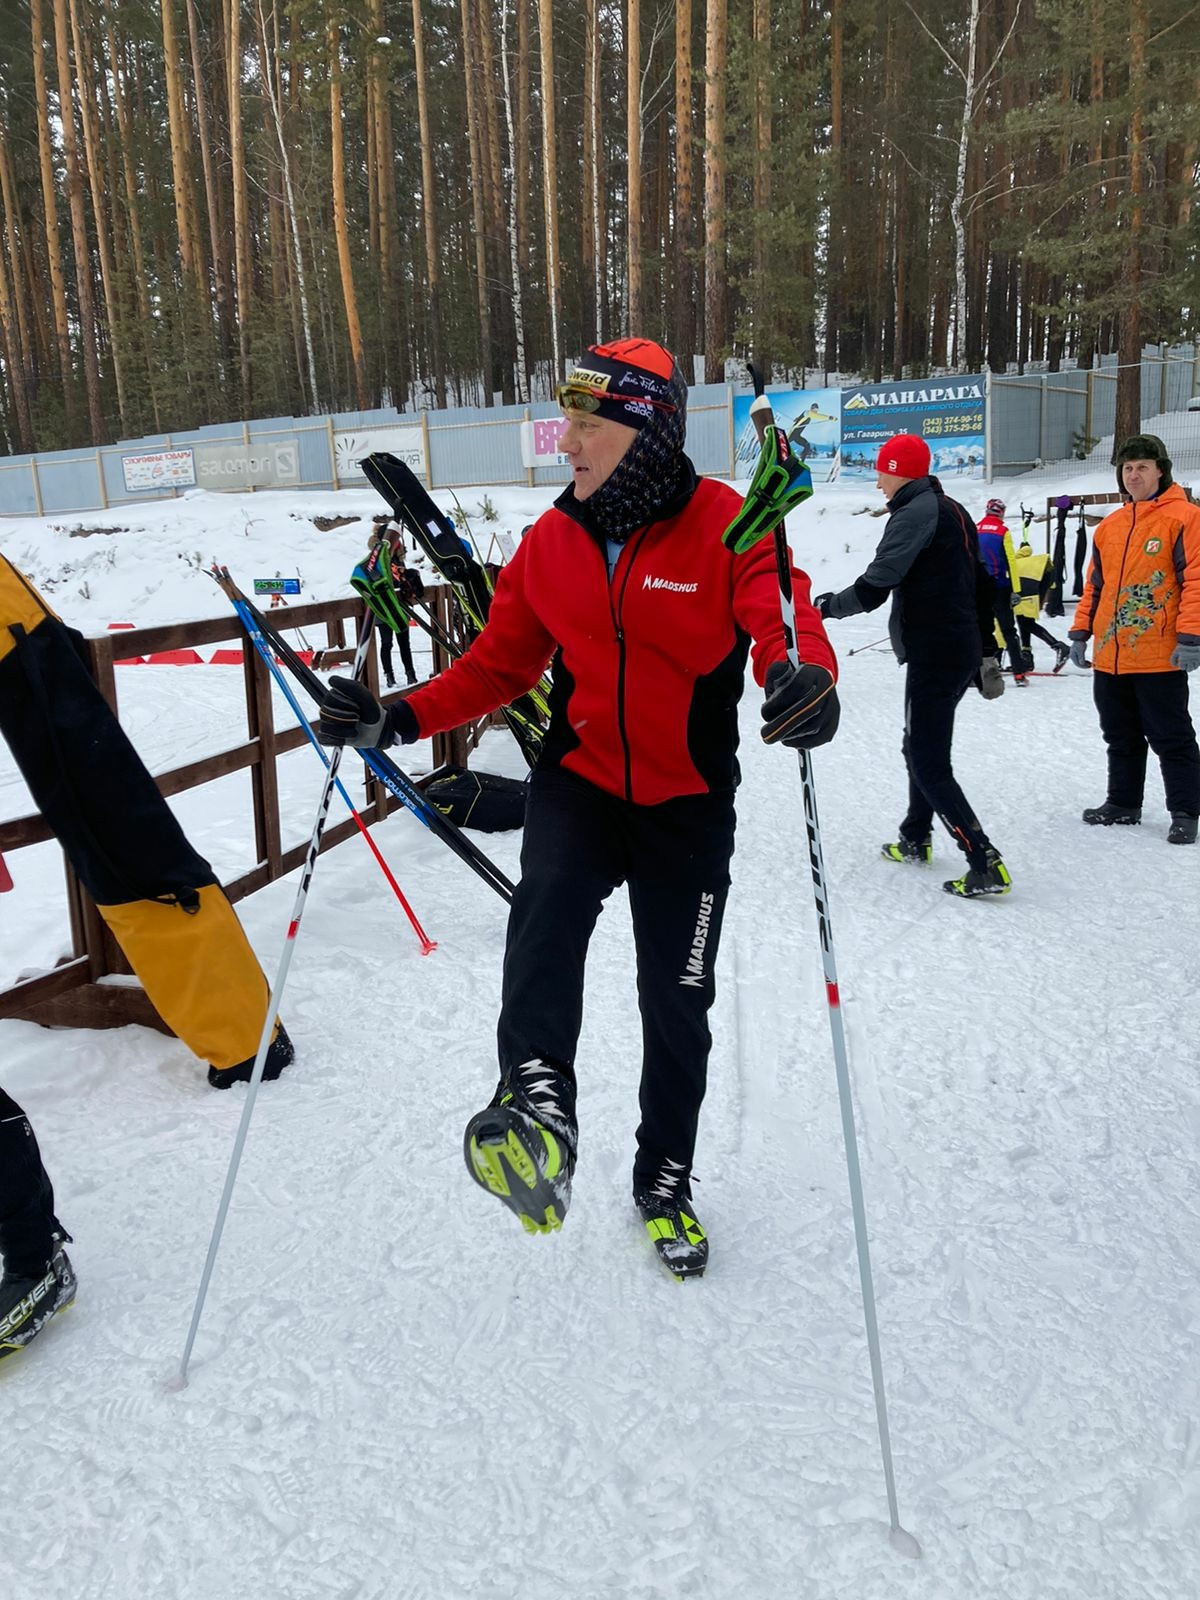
<point>625,587</point>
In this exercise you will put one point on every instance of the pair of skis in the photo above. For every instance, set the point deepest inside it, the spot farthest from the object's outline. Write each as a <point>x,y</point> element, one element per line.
<point>414,509</point>
<point>271,644</point>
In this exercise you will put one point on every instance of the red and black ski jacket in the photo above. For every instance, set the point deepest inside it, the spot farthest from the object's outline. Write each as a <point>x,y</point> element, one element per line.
<point>648,668</point>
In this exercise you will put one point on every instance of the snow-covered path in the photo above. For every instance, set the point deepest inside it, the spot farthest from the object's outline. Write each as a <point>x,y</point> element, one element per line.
<point>397,1394</point>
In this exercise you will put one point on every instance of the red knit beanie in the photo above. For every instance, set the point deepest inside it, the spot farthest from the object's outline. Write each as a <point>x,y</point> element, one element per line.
<point>904,456</point>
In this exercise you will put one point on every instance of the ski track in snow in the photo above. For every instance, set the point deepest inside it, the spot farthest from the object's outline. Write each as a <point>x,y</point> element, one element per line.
<point>397,1395</point>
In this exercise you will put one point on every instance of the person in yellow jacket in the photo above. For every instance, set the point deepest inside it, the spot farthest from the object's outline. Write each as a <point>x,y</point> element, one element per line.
<point>1141,608</point>
<point>1035,574</point>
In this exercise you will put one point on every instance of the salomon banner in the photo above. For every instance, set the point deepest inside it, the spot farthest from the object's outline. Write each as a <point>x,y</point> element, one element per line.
<point>812,419</point>
<point>948,413</point>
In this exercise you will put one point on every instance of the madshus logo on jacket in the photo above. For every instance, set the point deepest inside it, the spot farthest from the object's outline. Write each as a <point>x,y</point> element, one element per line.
<point>669,584</point>
<point>693,973</point>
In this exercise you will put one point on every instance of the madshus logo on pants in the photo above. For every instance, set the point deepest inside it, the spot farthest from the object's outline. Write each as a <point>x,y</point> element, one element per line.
<point>693,974</point>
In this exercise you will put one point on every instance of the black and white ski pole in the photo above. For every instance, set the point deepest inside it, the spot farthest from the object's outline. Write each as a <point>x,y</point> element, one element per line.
<point>900,1538</point>
<point>264,1043</point>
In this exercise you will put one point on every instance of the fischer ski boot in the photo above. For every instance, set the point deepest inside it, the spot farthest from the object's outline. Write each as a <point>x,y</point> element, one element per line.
<point>1062,654</point>
<point>664,1203</point>
<point>522,1147</point>
<point>1109,813</point>
<point>991,878</point>
<point>908,850</point>
<point>28,1304</point>
<point>1183,828</point>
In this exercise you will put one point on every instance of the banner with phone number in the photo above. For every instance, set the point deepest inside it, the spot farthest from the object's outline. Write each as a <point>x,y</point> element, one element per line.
<point>948,413</point>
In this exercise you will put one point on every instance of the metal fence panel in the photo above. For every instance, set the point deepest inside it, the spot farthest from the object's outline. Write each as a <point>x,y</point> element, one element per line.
<point>484,452</point>
<point>69,482</point>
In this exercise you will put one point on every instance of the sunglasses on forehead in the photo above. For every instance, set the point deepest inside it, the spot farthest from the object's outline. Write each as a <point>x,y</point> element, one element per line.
<point>578,397</point>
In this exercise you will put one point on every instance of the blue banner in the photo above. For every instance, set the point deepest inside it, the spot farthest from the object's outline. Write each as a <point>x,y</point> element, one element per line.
<point>812,420</point>
<point>948,413</point>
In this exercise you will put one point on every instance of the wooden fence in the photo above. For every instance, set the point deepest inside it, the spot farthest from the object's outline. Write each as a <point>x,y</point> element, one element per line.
<point>93,987</point>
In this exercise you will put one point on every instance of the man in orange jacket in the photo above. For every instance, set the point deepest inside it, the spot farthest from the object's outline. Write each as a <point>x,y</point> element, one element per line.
<point>1141,606</point>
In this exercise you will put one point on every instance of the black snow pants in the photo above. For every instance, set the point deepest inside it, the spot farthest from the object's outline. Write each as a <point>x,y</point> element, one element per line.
<point>386,637</point>
<point>27,1223</point>
<point>579,845</point>
<point>1003,612</point>
<point>1030,629</point>
<point>1148,710</point>
<point>932,690</point>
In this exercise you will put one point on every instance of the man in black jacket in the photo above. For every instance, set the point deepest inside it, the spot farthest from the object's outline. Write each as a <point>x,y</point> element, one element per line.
<point>941,628</point>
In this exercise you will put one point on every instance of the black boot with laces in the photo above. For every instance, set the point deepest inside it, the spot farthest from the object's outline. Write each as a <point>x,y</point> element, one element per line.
<point>522,1147</point>
<point>664,1202</point>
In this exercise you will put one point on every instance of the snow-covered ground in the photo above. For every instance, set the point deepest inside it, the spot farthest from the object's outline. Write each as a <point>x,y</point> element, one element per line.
<point>397,1395</point>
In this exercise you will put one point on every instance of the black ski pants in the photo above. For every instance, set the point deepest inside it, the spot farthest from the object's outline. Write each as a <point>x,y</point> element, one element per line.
<point>580,844</point>
<point>27,1223</point>
<point>1141,711</point>
<point>1031,629</point>
<point>932,690</point>
<point>1003,612</point>
<point>385,651</point>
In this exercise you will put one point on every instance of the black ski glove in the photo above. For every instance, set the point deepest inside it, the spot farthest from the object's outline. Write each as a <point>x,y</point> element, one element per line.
<point>350,714</point>
<point>801,707</point>
<point>821,602</point>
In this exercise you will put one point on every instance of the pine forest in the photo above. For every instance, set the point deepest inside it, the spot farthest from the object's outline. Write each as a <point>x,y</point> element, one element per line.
<point>215,209</point>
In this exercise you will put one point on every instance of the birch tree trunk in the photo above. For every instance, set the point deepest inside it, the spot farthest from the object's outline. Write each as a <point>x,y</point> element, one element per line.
<point>341,226</point>
<point>476,140</point>
<point>514,255</point>
<point>220,252</point>
<point>83,264</point>
<point>429,212</point>
<point>243,267</point>
<point>274,93</point>
<point>550,186</point>
<point>958,198</point>
<point>715,293</point>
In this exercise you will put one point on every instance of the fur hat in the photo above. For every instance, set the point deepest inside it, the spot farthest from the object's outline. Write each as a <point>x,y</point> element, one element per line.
<point>1145,447</point>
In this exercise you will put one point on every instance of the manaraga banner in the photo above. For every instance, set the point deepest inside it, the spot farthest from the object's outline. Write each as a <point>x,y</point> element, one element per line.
<point>812,419</point>
<point>948,413</point>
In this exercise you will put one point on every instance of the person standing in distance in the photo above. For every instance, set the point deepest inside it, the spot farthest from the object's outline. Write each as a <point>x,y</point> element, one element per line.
<point>941,630</point>
<point>1141,608</point>
<point>626,588</point>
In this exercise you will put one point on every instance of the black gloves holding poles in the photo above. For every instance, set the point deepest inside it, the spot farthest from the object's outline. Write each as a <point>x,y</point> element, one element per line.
<point>350,714</point>
<point>801,707</point>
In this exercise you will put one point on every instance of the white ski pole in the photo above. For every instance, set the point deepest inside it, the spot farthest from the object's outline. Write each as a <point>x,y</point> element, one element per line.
<point>264,1043</point>
<point>900,1538</point>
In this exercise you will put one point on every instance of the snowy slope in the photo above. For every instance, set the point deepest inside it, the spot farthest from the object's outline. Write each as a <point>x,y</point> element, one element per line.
<point>398,1394</point>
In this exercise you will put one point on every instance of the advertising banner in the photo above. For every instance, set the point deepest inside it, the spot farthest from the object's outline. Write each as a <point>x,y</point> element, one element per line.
<point>812,420</point>
<point>353,444</point>
<point>159,469</point>
<point>946,412</point>
<point>229,464</point>
<point>540,442</point>
<point>277,585</point>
